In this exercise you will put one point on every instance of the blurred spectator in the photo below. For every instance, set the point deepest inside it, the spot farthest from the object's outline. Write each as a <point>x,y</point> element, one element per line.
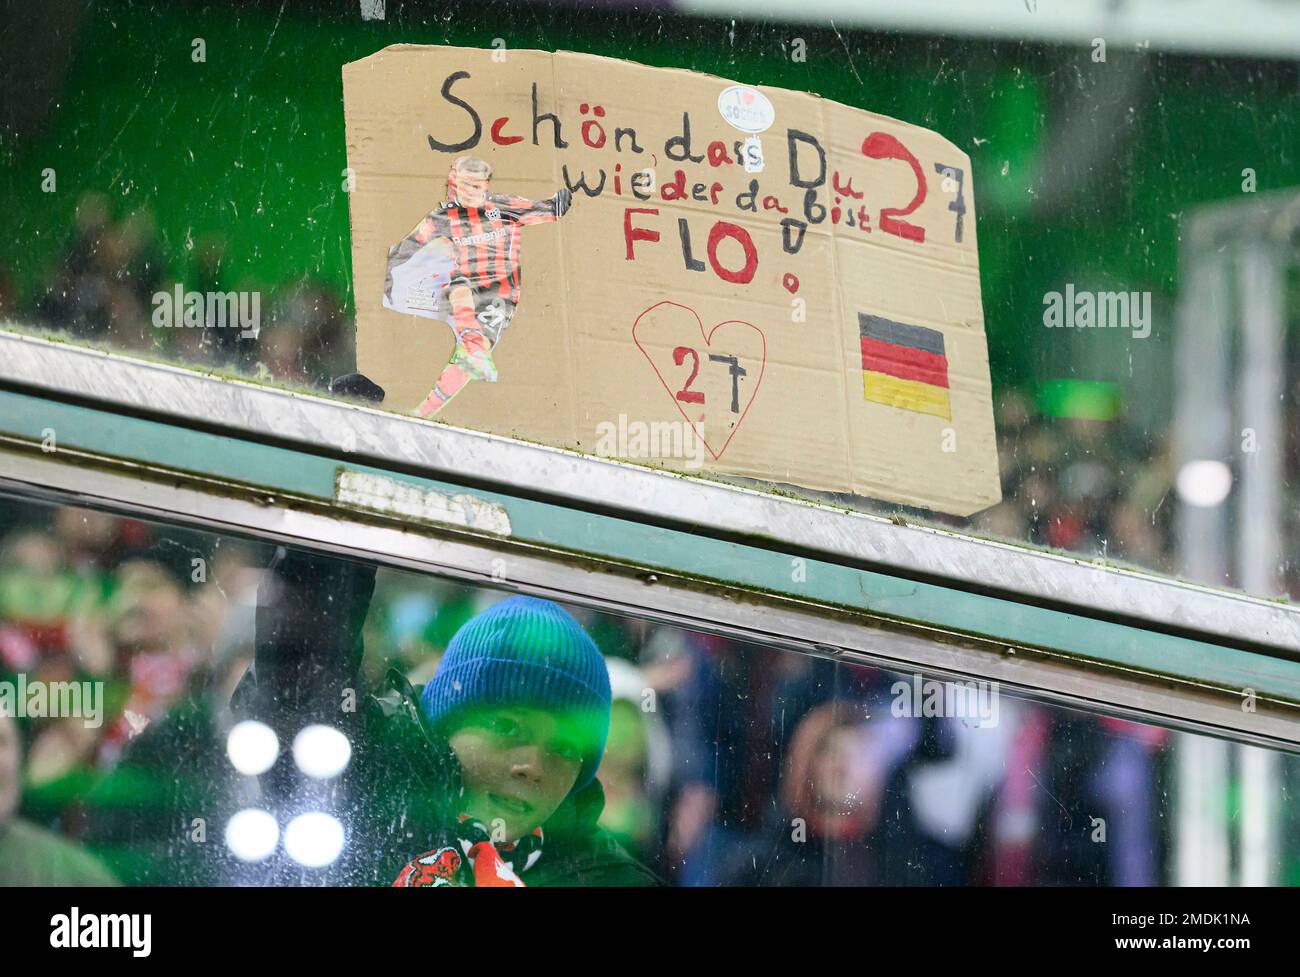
<point>96,542</point>
<point>1096,814</point>
<point>148,815</point>
<point>39,594</point>
<point>637,765</point>
<point>941,801</point>
<point>830,799</point>
<point>142,643</point>
<point>30,855</point>
<point>408,628</point>
<point>306,339</point>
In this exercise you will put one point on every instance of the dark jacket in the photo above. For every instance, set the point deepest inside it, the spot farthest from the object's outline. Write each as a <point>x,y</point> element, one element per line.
<point>400,794</point>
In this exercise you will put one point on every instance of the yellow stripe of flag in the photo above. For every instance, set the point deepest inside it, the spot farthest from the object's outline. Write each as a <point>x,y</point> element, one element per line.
<point>908,394</point>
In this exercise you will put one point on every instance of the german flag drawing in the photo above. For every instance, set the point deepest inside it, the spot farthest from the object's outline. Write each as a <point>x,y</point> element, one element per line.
<point>904,366</point>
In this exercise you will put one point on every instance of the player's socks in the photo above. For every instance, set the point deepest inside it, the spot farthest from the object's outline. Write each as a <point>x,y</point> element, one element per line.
<point>450,382</point>
<point>431,405</point>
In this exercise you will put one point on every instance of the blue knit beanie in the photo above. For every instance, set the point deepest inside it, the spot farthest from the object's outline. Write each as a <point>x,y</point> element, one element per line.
<point>524,651</point>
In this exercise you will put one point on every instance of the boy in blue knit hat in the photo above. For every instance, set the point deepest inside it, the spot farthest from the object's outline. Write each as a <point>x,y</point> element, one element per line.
<point>486,777</point>
<point>522,699</point>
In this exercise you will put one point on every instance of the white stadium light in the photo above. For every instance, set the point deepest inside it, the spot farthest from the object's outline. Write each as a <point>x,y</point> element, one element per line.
<point>321,751</point>
<point>1204,483</point>
<point>252,834</point>
<point>252,747</point>
<point>314,839</point>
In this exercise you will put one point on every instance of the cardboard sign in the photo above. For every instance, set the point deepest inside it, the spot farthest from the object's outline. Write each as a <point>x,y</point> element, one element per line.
<point>670,268</point>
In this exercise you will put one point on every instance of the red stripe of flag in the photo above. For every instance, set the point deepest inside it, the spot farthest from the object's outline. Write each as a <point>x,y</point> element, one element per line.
<point>904,362</point>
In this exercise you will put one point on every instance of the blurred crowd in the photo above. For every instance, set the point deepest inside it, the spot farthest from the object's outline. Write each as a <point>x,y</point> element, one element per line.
<point>786,770</point>
<point>1094,487</point>
<point>89,597</point>
<point>102,290</point>
<point>726,763</point>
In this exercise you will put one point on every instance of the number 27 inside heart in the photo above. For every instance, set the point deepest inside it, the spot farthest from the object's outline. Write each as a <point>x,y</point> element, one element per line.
<point>677,317</point>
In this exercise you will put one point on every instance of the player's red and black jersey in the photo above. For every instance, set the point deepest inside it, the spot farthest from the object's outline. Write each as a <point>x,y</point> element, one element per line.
<point>486,241</point>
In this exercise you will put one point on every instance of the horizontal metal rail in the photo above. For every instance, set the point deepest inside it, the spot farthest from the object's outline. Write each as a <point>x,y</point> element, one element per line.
<point>364,435</point>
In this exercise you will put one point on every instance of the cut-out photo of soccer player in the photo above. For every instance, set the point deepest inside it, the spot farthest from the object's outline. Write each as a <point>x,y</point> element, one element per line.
<point>461,265</point>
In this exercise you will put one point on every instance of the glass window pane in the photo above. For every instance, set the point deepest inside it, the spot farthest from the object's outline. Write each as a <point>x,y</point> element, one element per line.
<point>187,708</point>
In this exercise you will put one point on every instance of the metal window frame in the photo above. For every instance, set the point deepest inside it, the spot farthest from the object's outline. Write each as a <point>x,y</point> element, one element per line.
<point>237,457</point>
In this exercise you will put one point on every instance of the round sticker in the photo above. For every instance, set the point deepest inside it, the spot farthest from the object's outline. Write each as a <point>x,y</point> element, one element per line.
<point>747,109</point>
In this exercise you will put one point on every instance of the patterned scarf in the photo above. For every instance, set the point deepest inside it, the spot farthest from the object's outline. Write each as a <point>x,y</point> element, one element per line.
<point>473,860</point>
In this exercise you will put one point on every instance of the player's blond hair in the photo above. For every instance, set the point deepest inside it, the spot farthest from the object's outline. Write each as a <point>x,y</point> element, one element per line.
<point>475,166</point>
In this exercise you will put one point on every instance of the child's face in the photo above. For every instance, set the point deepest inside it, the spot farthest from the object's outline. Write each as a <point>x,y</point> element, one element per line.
<point>518,764</point>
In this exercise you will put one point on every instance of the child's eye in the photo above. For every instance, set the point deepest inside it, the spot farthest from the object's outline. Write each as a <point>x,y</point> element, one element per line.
<point>567,751</point>
<point>503,726</point>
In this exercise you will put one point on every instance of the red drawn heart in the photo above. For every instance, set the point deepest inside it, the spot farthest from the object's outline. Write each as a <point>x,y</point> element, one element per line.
<point>748,97</point>
<point>708,341</point>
